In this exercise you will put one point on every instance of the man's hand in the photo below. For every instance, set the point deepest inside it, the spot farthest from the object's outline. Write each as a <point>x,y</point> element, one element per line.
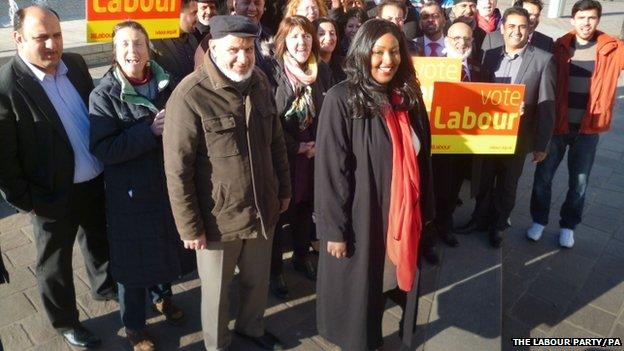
<point>539,156</point>
<point>522,109</point>
<point>284,203</point>
<point>196,244</point>
<point>337,249</point>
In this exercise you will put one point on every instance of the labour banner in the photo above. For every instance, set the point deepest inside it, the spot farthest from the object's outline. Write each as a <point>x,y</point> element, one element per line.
<point>435,69</point>
<point>161,18</point>
<point>475,118</point>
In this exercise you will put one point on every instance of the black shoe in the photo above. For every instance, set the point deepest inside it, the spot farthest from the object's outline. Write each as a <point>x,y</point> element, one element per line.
<point>81,337</point>
<point>278,286</point>
<point>267,341</point>
<point>471,226</point>
<point>449,239</point>
<point>306,267</point>
<point>430,254</point>
<point>496,238</point>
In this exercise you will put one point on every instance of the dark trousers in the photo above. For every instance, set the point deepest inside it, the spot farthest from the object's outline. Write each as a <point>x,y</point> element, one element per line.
<point>132,303</point>
<point>448,175</point>
<point>299,225</point>
<point>55,238</point>
<point>581,153</point>
<point>496,190</point>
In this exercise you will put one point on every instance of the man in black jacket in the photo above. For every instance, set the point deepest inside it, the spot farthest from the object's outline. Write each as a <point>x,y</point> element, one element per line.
<point>46,168</point>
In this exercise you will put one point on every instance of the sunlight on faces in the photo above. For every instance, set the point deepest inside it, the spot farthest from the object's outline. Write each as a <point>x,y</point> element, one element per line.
<point>458,41</point>
<point>299,44</point>
<point>486,7</point>
<point>131,52</point>
<point>465,10</point>
<point>40,41</point>
<point>585,23</point>
<point>385,58</point>
<point>253,9</point>
<point>534,15</point>
<point>205,11</point>
<point>327,37</point>
<point>432,21</point>
<point>234,56</point>
<point>352,26</point>
<point>308,9</point>
<point>515,32</point>
<point>393,14</point>
<point>188,17</point>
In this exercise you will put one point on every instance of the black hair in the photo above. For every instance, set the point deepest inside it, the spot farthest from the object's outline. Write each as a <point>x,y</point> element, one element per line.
<point>18,17</point>
<point>365,94</point>
<point>358,13</point>
<point>515,10</point>
<point>186,3</point>
<point>584,5</point>
<point>320,20</point>
<point>537,3</point>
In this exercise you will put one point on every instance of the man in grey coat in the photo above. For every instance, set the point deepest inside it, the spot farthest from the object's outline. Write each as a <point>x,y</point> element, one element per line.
<point>519,63</point>
<point>228,178</point>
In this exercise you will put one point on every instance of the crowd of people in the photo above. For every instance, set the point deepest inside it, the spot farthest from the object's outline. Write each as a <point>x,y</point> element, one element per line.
<point>295,121</point>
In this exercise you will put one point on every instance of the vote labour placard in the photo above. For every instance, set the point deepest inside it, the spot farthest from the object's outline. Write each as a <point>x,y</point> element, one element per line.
<point>475,118</point>
<point>161,18</point>
<point>435,69</point>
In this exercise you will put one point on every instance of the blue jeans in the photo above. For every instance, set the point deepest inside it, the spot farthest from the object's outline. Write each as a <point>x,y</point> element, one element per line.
<point>581,153</point>
<point>132,303</point>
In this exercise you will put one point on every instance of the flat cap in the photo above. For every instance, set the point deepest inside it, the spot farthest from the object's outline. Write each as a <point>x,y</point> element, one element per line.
<point>239,26</point>
<point>455,2</point>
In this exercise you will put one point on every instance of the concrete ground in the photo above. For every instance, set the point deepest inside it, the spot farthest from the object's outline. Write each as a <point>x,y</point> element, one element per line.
<point>478,298</point>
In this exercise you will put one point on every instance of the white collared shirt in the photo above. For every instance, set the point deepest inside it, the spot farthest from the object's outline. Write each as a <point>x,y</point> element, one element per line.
<point>74,116</point>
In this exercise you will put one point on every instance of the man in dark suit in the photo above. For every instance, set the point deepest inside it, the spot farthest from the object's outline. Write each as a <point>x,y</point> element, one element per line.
<point>537,39</point>
<point>519,63</point>
<point>206,9</point>
<point>46,168</point>
<point>432,24</point>
<point>176,55</point>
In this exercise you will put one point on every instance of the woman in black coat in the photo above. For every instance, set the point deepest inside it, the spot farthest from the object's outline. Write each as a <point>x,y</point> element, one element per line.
<point>300,81</point>
<point>361,163</point>
<point>327,32</point>
<point>127,118</point>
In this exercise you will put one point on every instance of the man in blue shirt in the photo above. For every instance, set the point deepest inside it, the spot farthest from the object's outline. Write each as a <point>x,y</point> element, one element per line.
<point>46,168</point>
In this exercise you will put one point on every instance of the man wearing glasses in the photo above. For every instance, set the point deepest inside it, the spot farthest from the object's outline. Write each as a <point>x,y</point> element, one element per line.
<point>432,23</point>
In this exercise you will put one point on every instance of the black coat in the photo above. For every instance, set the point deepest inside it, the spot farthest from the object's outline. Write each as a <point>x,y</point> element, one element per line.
<point>36,157</point>
<point>144,243</point>
<point>352,189</point>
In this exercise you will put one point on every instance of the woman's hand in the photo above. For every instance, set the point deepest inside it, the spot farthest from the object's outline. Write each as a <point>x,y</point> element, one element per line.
<point>337,249</point>
<point>303,148</point>
<point>159,123</point>
<point>311,151</point>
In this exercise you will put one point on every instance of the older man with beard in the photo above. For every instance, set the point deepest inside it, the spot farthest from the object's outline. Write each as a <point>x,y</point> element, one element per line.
<point>466,11</point>
<point>228,179</point>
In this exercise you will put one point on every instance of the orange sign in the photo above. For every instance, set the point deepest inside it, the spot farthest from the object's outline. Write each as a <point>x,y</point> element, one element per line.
<point>475,118</point>
<point>435,69</point>
<point>161,18</point>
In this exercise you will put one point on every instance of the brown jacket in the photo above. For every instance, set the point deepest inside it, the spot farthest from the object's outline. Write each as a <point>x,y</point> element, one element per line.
<point>225,157</point>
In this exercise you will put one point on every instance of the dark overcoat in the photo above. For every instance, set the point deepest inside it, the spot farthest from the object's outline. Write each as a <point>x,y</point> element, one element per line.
<point>353,170</point>
<point>144,244</point>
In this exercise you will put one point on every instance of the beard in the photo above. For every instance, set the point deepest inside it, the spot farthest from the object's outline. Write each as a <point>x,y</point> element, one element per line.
<point>453,53</point>
<point>231,75</point>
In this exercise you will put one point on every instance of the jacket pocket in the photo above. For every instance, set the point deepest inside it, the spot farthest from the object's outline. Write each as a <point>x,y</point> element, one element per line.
<point>220,135</point>
<point>219,196</point>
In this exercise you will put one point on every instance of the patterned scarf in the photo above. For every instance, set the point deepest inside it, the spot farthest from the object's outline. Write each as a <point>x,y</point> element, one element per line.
<point>302,107</point>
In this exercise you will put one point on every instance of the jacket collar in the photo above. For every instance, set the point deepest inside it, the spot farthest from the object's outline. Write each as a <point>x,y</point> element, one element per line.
<point>605,43</point>
<point>128,93</point>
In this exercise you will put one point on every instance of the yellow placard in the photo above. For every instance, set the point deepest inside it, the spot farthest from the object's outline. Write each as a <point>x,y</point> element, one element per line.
<point>475,118</point>
<point>161,18</point>
<point>435,69</point>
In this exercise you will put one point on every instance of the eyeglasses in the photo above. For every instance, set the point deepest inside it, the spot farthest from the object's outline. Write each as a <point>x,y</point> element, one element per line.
<point>466,39</point>
<point>395,19</point>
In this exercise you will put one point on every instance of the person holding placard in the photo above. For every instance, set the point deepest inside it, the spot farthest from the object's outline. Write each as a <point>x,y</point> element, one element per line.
<point>519,63</point>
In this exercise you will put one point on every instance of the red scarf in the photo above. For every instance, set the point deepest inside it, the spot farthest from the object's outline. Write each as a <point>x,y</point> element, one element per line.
<point>404,218</point>
<point>489,25</point>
